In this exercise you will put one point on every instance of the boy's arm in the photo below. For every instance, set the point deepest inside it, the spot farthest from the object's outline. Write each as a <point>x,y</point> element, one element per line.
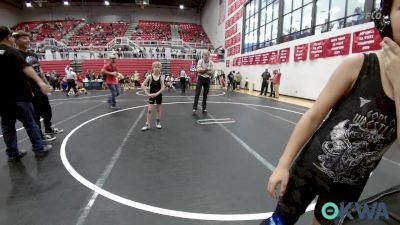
<point>338,85</point>
<point>162,86</point>
<point>144,86</point>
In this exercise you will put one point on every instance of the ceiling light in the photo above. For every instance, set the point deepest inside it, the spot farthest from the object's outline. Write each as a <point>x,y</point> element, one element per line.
<point>181,7</point>
<point>66,3</point>
<point>28,4</point>
<point>106,3</point>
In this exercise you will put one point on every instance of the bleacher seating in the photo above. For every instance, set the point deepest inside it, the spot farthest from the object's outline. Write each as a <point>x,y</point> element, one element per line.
<point>47,29</point>
<point>177,64</point>
<point>157,30</point>
<point>125,66</point>
<point>153,30</point>
<point>98,34</point>
<point>26,26</point>
<point>193,33</point>
<point>55,65</point>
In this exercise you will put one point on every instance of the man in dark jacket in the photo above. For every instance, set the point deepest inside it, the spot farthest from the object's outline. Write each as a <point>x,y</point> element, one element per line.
<point>266,76</point>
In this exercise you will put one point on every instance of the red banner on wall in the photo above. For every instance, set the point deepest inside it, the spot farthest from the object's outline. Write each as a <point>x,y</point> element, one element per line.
<point>366,40</point>
<point>235,6</point>
<point>317,49</point>
<point>339,45</point>
<point>252,60</point>
<point>273,57</point>
<point>265,58</point>
<point>284,55</point>
<point>237,47</point>
<point>300,52</point>
<point>239,61</point>
<point>234,18</point>
<point>231,31</point>
<point>236,38</point>
<point>257,59</point>
<point>245,60</point>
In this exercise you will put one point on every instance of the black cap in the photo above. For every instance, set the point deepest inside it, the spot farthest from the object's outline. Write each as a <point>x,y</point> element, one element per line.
<point>4,32</point>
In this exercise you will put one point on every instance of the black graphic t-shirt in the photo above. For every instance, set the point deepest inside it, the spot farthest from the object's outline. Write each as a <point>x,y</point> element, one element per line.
<point>33,60</point>
<point>14,85</point>
<point>360,128</point>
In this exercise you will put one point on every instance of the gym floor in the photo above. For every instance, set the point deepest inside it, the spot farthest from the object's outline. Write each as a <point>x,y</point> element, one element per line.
<point>198,169</point>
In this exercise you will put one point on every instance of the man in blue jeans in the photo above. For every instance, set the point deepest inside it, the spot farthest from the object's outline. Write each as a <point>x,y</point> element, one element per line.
<point>16,98</point>
<point>110,71</point>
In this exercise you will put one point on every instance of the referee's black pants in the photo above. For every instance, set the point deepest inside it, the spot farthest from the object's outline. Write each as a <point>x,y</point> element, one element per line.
<point>202,83</point>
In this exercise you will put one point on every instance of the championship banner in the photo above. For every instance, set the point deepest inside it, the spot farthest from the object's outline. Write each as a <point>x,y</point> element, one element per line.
<point>284,55</point>
<point>265,58</point>
<point>300,52</point>
<point>252,60</point>
<point>317,49</point>
<point>273,57</point>
<point>366,40</point>
<point>245,60</point>
<point>237,47</point>
<point>339,45</point>
<point>257,59</point>
<point>239,61</point>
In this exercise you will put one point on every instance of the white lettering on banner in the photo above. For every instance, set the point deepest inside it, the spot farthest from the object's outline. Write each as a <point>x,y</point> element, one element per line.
<point>338,48</point>
<point>366,32</point>
<point>365,48</point>
<point>338,43</point>
<point>366,42</point>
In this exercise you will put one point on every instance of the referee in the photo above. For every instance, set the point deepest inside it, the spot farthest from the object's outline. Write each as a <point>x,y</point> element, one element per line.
<point>205,72</point>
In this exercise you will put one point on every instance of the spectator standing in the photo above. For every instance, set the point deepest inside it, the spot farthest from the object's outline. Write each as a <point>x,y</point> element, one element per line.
<point>265,77</point>
<point>276,80</point>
